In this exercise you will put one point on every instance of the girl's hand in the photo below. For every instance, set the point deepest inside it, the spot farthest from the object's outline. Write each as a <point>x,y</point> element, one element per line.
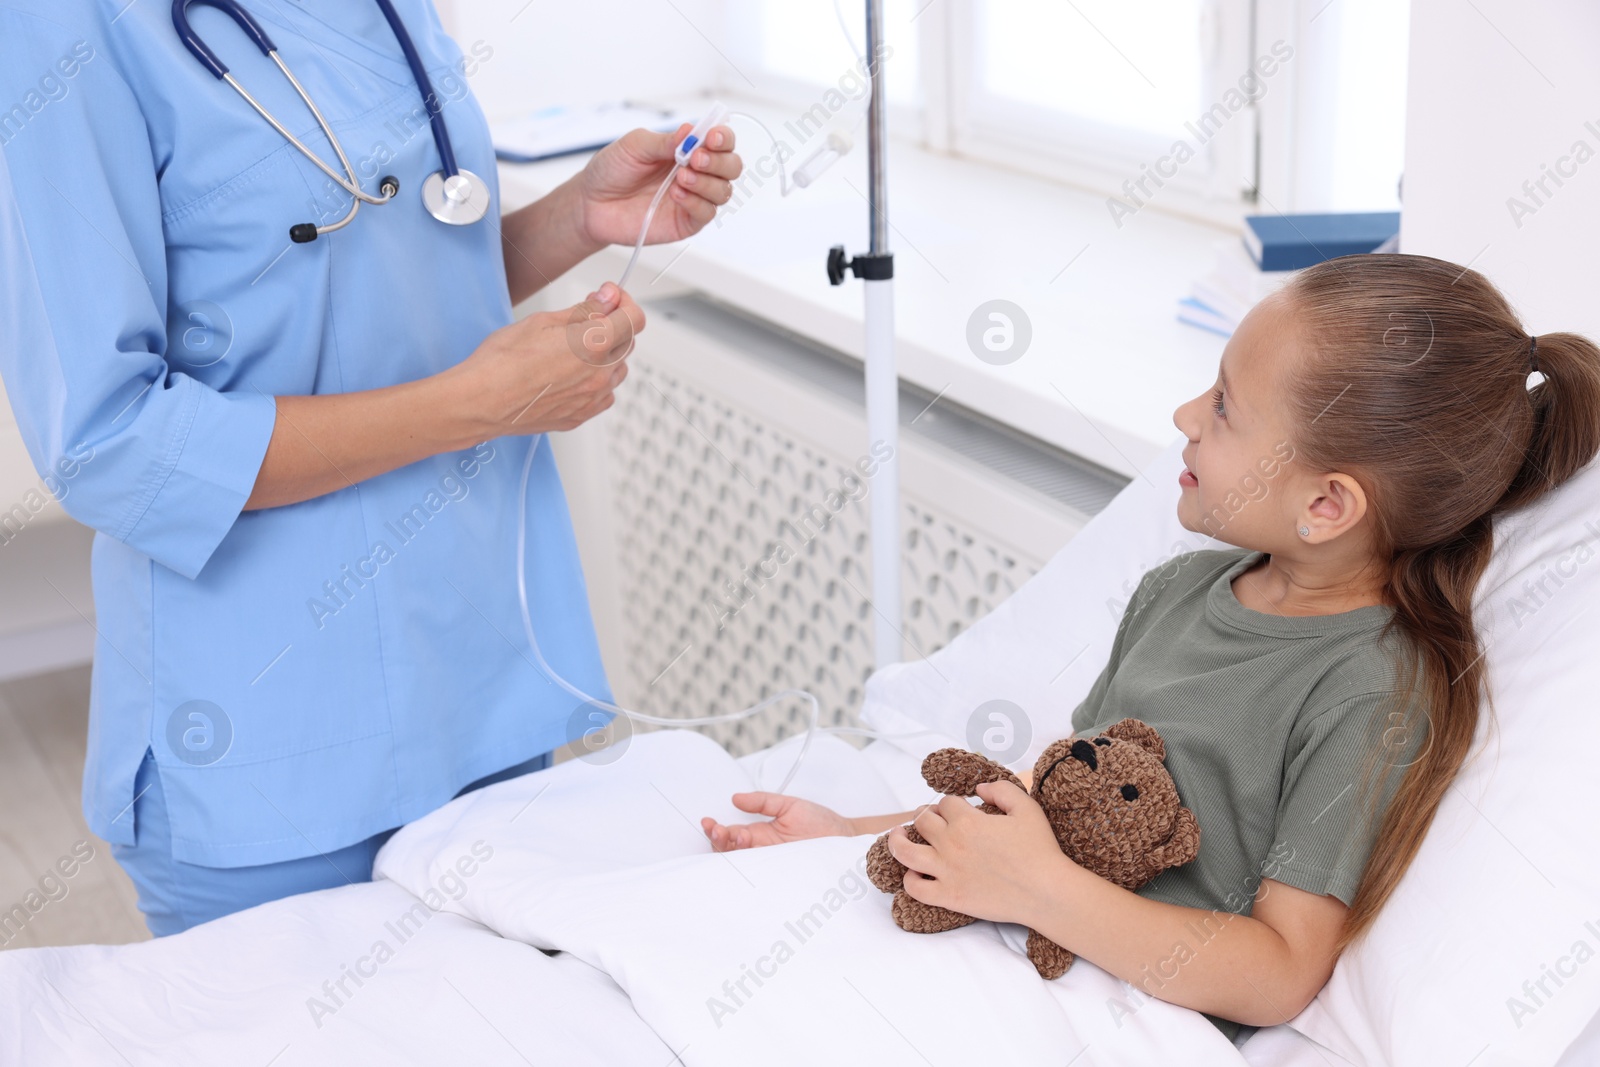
<point>617,186</point>
<point>997,867</point>
<point>793,819</point>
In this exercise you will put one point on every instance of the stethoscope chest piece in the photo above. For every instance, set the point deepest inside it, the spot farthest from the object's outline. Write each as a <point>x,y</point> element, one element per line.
<point>459,200</point>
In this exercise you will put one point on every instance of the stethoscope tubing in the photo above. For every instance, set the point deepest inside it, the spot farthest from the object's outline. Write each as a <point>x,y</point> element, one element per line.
<point>348,181</point>
<point>430,99</point>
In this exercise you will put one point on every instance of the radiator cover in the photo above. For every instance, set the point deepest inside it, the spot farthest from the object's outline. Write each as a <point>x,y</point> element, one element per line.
<point>737,539</point>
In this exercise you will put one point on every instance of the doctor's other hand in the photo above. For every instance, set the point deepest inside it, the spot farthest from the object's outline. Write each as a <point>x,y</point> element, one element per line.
<point>792,819</point>
<point>620,181</point>
<point>553,370</point>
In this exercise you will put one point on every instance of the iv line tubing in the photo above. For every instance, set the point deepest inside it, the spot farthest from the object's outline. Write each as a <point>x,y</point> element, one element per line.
<point>812,728</point>
<point>649,217</point>
<point>655,202</point>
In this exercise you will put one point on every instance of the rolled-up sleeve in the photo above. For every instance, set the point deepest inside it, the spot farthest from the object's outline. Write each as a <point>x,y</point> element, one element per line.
<point>162,461</point>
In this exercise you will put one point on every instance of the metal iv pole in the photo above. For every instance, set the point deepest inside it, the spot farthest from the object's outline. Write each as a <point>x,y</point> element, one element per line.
<point>876,270</point>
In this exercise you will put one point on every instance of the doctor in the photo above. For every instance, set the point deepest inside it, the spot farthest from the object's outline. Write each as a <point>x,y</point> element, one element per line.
<point>301,456</point>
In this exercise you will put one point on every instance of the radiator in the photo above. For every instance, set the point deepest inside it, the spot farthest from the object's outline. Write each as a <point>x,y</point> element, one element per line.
<point>721,506</point>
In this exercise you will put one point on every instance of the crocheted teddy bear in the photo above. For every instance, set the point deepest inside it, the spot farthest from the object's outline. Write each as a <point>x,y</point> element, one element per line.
<point>1113,807</point>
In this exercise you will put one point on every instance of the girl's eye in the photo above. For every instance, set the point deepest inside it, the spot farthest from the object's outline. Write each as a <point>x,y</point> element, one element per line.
<point>1216,404</point>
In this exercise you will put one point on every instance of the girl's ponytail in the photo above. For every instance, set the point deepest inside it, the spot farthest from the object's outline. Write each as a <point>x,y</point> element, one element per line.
<point>1566,412</point>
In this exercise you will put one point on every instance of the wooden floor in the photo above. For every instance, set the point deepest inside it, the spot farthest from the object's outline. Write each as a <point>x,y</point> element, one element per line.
<point>43,725</point>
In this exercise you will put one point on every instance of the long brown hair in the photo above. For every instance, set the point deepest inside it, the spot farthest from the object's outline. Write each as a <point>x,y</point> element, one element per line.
<point>1417,383</point>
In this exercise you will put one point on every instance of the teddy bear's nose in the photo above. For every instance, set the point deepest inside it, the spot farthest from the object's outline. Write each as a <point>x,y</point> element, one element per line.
<point>1083,750</point>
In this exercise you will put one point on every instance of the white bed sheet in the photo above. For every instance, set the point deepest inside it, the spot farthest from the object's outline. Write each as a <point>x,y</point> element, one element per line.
<point>240,991</point>
<point>263,986</point>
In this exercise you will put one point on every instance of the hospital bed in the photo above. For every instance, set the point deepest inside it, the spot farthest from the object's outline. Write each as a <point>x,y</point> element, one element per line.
<point>577,916</point>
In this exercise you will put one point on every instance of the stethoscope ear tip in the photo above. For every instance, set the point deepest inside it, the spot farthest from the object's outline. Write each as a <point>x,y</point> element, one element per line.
<point>303,233</point>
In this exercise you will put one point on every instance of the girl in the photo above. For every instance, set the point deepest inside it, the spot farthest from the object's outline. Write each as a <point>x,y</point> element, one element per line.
<point>1394,406</point>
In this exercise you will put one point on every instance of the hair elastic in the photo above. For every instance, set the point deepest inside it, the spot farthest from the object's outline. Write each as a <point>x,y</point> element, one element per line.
<point>1533,354</point>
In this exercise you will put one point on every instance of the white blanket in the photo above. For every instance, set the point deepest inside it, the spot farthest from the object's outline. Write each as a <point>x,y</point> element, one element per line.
<point>302,981</point>
<point>671,918</point>
<point>776,955</point>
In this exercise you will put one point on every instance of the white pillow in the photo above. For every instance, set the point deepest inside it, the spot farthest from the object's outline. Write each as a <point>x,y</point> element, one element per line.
<point>1506,889</point>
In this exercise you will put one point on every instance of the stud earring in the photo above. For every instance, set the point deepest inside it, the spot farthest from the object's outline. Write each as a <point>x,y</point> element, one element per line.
<point>1305,531</point>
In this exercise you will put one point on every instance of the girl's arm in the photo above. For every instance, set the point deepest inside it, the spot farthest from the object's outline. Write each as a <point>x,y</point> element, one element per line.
<point>1260,970</point>
<point>794,819</point>
<point>877,824</point>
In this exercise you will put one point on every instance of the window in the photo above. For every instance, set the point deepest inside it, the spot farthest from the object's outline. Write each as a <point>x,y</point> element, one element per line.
<point>1103,93</point>
<point>796,50</point>
<point>1063,59</point>
<point>1236,106</point>
<point>1366,124</point>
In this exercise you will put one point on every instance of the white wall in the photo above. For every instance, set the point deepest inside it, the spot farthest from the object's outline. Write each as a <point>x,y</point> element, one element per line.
<point>550,52</point>
<point>1499,91</point>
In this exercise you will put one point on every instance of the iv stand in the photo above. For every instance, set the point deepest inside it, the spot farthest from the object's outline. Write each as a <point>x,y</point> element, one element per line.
<point>876,270</point>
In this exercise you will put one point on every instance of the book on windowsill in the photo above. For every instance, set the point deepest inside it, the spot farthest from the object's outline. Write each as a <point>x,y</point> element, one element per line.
<point>1219,300</point>
<point>1290,242</point>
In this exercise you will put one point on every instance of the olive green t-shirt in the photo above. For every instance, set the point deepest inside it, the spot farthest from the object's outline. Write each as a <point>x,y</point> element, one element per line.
<point>1268,721</point>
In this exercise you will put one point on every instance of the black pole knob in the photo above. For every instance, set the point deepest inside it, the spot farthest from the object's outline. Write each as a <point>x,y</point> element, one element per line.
<point>838,264</point>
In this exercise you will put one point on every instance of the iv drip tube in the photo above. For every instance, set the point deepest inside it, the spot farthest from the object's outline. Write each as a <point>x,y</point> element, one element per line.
<point>813,727</point>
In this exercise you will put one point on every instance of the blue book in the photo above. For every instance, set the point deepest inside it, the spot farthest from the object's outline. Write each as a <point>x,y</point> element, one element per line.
<point>1290,242</point>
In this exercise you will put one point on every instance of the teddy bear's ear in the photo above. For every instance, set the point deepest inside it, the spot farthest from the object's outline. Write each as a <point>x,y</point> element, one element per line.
<point>1141,734</point>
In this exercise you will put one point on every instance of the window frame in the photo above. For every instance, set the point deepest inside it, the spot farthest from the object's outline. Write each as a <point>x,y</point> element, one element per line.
<point>747,77</point>
<point>1102,158</point>
<point>1249,159</point>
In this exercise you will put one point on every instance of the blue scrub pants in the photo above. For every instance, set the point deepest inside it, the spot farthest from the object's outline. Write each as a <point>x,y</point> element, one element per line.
<point>174,895</point>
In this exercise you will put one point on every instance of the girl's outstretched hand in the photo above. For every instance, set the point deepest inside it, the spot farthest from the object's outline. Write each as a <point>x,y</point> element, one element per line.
<point>998,867</point>
<point>792,819</point>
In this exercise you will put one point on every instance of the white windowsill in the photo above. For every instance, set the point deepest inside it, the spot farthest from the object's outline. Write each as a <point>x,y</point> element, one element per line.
<point>1108,361</point>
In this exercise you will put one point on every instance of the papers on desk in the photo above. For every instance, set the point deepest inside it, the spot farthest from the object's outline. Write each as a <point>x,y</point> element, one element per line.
<point>1219,300</point>
<point>563,131</point>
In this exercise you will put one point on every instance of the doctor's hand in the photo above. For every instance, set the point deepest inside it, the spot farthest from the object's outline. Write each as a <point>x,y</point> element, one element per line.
<point>553,370</point>
<point>793,819</point>
<point>620,181</point>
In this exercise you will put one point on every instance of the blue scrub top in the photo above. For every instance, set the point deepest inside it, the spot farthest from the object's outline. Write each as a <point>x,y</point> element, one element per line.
<point>353,660</point>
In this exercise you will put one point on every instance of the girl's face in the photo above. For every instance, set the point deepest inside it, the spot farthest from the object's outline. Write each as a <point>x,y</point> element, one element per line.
<point>1240,485</point>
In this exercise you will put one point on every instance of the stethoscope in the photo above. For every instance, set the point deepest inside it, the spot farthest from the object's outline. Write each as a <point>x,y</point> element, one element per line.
<point>451,195</point>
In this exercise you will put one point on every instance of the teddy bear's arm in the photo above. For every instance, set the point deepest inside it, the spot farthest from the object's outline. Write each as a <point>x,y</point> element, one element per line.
<point>958,773</point>
<point>1181,847</point>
